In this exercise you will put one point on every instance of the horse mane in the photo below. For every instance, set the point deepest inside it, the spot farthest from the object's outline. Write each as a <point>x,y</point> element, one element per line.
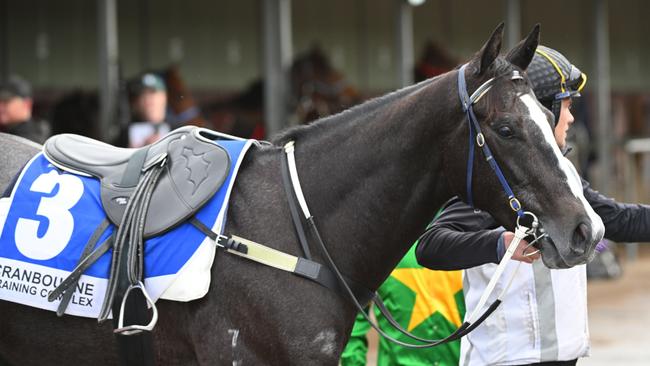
<point>364,108</point>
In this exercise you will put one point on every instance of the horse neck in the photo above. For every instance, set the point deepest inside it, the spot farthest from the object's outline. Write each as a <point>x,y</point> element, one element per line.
<point>372,178</point>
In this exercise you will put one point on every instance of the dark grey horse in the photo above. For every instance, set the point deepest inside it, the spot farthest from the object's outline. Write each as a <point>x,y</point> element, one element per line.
<point>373,177</point>
<point>16,151</point>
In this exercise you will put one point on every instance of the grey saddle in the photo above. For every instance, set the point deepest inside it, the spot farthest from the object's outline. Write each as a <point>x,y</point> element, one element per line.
<point>194,169</point>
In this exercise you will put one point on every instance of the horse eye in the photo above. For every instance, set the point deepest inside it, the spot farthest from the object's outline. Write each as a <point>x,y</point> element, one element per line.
<point>505,131</point>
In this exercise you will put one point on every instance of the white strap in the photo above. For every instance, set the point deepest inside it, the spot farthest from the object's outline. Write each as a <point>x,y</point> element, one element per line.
<point>265,255</point>
<point>295,182</point>
<point>520,233</point>
<point>480,92</point>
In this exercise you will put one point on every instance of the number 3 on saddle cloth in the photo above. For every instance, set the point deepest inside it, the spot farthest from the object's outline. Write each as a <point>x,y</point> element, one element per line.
<point>51,215</point>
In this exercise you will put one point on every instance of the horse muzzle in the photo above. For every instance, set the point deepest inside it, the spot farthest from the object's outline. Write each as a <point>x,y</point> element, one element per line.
<point>568,247</point>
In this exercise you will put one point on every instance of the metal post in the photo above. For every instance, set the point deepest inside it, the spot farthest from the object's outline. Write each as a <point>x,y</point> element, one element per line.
<point>276,34</point>
<point>631,249</point>
<point>513,22</point>
<point>144,25</point>
<point>4,40</point>
<point>363,33</point>
<point>108,69</point>
<point>405,57</point>
<point>603,95</point>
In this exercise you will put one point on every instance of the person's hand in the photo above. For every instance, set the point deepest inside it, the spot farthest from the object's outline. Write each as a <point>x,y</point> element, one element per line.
<point>522,253</point>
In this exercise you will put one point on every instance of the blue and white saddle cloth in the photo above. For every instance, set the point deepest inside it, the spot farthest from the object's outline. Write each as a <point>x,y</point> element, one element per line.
<point>50,216</point>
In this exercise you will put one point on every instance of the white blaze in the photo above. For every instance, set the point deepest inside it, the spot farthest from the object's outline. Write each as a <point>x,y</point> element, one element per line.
<point>565,165</point>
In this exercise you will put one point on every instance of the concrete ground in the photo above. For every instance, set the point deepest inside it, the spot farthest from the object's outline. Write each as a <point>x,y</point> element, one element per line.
<point>619,317</point>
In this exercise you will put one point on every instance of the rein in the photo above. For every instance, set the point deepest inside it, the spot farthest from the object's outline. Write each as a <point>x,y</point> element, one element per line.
<point>521,231</point>
<point>472,321</point>
<point>329,275</point>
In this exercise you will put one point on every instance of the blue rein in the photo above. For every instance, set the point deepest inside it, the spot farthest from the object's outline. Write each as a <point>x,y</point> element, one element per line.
<point>475,135</point>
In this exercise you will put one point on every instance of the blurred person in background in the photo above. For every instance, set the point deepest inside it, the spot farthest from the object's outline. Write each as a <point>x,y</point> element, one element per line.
<point>16,111</point>
<point>148,99</point>
<point>543,317</point>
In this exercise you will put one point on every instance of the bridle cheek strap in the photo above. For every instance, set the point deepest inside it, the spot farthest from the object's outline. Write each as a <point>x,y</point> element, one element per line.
<point>476,136</point>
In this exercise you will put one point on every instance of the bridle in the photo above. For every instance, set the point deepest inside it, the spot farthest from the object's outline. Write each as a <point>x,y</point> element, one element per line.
<point>475,134</point>
<point>294,193</point>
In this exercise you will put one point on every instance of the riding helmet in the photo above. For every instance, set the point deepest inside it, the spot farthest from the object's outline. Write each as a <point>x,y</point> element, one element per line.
<point>554,78</point>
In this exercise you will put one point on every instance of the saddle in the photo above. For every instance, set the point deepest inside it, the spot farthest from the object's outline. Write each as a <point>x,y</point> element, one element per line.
<point>195,168</point>
<point>144,192</point>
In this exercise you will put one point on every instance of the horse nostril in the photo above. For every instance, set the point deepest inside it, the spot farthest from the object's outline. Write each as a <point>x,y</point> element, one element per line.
<point>580,238</point>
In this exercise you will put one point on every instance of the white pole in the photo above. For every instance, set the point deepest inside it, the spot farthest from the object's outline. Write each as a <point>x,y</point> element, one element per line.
<point>108,69</point>
<point>4,40</point>
<point>513,22</point>
<point>276,35</point>
<point>603,96</point>
<point>404,36</point>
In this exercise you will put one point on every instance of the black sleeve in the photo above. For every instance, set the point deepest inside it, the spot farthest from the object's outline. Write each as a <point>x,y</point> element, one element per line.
<point>458,239</point>
<point>624,222</point>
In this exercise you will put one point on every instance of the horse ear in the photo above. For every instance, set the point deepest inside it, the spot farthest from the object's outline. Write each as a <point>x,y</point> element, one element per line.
<point>523,53</point>
<point>490,49</point>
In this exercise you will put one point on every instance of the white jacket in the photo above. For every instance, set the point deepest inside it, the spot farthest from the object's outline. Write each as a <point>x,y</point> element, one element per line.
<point>543,316</point>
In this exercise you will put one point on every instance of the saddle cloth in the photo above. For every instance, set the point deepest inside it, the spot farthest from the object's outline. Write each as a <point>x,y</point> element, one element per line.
<point>52,213</point>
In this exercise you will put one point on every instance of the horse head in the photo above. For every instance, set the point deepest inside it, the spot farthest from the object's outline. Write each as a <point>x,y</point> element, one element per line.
<point>519,133</point>
<point>317,88</point>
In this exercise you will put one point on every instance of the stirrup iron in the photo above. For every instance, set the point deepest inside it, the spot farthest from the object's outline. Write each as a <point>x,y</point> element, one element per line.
<point>136,328</point>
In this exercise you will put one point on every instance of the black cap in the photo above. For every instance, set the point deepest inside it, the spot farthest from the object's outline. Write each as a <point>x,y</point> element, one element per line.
<point>15,87</point>
<point>553,76</point>
<point>146,81</point>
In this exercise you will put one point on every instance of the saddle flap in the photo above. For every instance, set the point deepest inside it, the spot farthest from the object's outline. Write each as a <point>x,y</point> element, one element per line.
<point>195,169</point>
